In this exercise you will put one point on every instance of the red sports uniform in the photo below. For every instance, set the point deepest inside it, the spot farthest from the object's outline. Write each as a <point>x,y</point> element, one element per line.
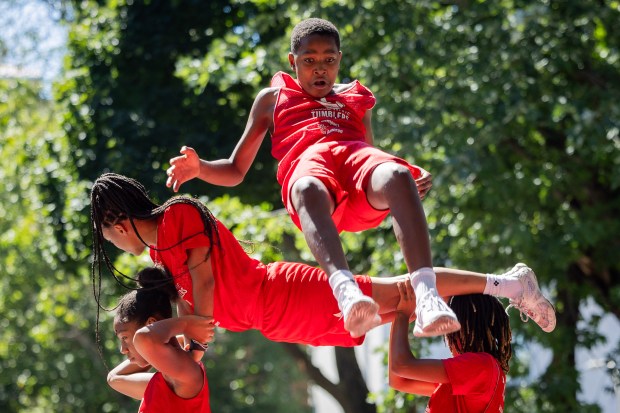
<point>325,138</point>
<point>159,398</point>
<point>477,385</point>
<point>288,302</point>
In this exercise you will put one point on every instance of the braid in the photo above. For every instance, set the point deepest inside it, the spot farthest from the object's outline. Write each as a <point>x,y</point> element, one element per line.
<point>485,327</point>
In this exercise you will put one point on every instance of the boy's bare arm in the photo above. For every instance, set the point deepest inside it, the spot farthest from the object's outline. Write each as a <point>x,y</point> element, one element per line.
<point>231,171</point>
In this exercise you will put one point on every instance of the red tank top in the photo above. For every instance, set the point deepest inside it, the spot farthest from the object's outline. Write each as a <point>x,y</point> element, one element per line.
<point>159,397</point>
<point>238,277</point>
<point>477,385</point>
<point>300,120</point>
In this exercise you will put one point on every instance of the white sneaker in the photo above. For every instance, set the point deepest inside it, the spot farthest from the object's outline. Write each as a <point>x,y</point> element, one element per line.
<point>360,312</point>
<point>434,317</point>
<point>532,304</point>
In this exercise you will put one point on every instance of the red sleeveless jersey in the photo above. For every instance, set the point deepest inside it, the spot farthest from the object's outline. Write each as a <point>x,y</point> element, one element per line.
<point>477,385</point>
<point>300,120</point>
<point>238,277</point>
<point>290,302</point>
<point>159,397</point>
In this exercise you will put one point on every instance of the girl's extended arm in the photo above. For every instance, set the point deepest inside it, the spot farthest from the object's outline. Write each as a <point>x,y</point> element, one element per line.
<point>406,372</point>
<point>231,171</point>
<point>158,344</point>
<point>130,379</point>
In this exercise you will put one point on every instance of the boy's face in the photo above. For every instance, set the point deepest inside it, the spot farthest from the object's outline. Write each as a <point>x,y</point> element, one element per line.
<point>125,333</point>
<point>316,64</point>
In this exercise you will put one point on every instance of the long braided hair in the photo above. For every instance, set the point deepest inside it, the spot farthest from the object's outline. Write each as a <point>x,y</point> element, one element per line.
<point>485,327</point>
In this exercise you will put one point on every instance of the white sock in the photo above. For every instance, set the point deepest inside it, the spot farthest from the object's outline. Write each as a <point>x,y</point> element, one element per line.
<point>503,285</point>
<point>423,280</point>
<point>338,279</point>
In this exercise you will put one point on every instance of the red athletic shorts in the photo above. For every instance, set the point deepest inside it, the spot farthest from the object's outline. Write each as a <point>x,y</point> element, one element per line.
<point>344,168</point>
<point>298,306</point>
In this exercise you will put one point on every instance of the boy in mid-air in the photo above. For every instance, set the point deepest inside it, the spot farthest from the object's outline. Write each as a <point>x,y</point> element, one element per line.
<point>332,177</point>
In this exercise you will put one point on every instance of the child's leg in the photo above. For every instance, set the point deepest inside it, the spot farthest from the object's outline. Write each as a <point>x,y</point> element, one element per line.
<point>314,206</point>
<point>518,284</point>
<point>391,186</point>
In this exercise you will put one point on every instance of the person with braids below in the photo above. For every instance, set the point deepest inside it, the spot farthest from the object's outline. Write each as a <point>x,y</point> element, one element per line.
<point>289,302</point>
<point>474,379</point>
<point>148,334</point>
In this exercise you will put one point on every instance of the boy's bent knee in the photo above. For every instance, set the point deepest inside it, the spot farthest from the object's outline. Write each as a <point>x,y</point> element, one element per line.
<point>308,189</point>
<point>391,174</point>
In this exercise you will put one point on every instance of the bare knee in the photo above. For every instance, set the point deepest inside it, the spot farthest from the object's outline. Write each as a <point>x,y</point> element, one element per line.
<point>307,191</point>
<point>389,179</point>
<point>392,174</point>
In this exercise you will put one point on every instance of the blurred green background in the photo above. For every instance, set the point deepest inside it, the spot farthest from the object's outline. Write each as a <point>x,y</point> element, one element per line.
<point>512,105</point>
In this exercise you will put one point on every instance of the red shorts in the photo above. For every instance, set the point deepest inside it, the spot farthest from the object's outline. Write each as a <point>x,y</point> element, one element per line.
<point>299,307</point>
<point>344,168</point>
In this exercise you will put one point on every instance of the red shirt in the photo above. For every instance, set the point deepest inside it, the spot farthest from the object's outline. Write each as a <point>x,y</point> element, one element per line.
<point>301,120</point>
<point>238,277</point>
<point>159,398</point>
<point>289,302</point>
<point>477,385</point>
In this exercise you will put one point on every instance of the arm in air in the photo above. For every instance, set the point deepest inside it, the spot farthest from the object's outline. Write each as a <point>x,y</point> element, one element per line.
<point>231,171</point>
<point>406,372</point>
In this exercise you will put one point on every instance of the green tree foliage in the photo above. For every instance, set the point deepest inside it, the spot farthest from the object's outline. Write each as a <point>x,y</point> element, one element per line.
<point>48,356</point>
<point>130,111</point>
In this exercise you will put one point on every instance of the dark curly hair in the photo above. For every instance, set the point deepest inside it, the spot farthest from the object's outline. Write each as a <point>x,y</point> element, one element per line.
<point>312,26</point>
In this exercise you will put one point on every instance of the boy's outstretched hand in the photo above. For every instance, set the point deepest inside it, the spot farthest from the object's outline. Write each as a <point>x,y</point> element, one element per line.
<point>406,305</point>
<point>424,182</point>
<point>183,168</point>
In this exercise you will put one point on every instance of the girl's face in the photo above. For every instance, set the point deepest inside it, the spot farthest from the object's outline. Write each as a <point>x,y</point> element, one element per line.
<point>316,64</point>
<point>125,333</point>
<point>123,236</point>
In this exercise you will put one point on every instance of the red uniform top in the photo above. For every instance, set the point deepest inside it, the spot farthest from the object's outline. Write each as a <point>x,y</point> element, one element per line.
<point>238,277</point>
<point>300,120</point>
<point>477,385</point>
<point>159,398</point>
<point>289,302</point>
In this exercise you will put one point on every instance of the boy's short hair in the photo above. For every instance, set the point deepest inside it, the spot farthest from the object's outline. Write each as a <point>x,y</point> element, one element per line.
<point>311,26</point>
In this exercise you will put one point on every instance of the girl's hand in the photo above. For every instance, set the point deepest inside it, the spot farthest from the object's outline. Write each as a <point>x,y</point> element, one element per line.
<point>424,182</point>
<point>406,305</point>
<point>201,329</point>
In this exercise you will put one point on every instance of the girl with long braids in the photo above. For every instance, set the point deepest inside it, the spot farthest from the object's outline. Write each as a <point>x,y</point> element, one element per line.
<point>147,333</point>
<point>290,302</point>
<point>179,234</point>
<point>474,379</point>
